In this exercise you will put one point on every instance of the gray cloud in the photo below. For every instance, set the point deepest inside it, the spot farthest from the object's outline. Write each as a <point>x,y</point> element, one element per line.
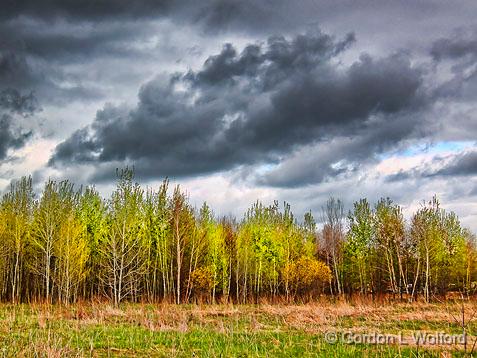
<point>460,51</point>
<point>461,164</point>
<point>85,9</point>
<point>345,156</point>
<point>73,42</point>
<point>276,115</point>
<point>19,71</point>
<point>460,45</point>
<point>43,42</point>
<point>473,192</point>
<point>51,57</point>
<point>452,166</point>
<point>11,100</point>
<point>254,107</point>
<point>12,106</point>
<point>15,71</point>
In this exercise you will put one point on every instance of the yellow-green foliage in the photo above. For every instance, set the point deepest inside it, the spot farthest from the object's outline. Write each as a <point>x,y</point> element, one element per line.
<point>69,244</point>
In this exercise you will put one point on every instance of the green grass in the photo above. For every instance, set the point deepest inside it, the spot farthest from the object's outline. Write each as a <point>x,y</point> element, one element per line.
<point>211,331</point>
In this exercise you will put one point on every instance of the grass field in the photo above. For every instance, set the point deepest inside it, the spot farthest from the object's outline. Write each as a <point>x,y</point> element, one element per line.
<point>230,331</point>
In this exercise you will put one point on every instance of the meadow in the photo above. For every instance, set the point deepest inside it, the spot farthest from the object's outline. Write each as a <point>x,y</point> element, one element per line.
<point>267,330</point>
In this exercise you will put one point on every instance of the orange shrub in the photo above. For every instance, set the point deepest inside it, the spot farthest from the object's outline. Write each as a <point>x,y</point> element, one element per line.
<point>306,274</point>
<point>202,280</point>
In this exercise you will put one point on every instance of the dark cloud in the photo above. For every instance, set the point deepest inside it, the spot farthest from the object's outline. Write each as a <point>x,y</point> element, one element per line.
<point>278,16</point>
<point>287,112</point>
<point>400,176</point>
<point>44,56</point>
<point>71,43</point>
<point>11,100</point>
<point>15,71</point>
<point>461,165</point>
<point>85,9</point>
<point>10,137</point>
<point>253,107</point>
<point>51,85</point>
<point>12,106</point>
<point>344,155</point>
<point>214,15</point>
<point>267,67</point>
<point>461,44</point>
<point>18,71</point>
<point>40,39</point>
<point>226,14</point>
<point>210,14</point>
<point>460,51</point>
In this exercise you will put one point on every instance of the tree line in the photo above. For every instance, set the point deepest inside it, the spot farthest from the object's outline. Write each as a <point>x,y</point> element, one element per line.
<point>148,245</point>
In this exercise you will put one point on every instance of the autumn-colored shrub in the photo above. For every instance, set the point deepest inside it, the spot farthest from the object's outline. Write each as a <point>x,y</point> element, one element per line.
<point>202,280</point>
<point>306,274</point>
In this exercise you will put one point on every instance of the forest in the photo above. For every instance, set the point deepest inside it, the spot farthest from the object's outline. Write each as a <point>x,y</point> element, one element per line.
<point>145,245</point>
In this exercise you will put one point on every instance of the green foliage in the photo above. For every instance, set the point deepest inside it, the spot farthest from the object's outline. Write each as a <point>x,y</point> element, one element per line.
<point>154,245</point>
<point>359,247</point>
<point>122,248</point>
<point>441,247</point>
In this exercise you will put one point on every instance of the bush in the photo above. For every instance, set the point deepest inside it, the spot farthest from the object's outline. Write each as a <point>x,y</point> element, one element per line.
<point>306,274</point>
<point>202,280</point>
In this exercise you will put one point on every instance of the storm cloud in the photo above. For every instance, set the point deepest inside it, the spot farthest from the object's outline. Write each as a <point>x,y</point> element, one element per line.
<point>13,106</point>
<point>286,100</point>
<point>254,106</point>
<point>464,164</point>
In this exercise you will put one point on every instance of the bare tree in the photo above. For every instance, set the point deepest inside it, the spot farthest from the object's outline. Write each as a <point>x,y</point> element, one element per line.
<point>333,237</point>
<point>122,253</point>
<point>182,223</point>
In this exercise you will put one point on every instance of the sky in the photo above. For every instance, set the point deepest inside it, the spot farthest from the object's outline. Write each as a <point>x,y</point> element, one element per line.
<point>239,100</point>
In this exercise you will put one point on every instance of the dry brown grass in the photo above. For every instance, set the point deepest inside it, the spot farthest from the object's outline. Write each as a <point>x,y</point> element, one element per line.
<point>317,315</point>
<point>312,318</point>
<point>227,319</point>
